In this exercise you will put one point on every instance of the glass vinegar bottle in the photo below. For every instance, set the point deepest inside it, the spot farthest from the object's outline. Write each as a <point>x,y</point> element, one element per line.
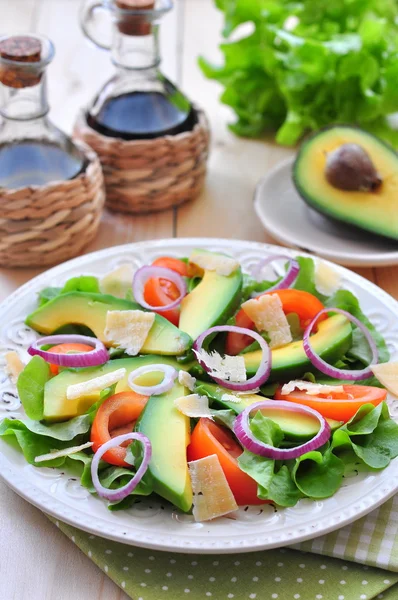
<point>138,102</point>
<point>32,150</point>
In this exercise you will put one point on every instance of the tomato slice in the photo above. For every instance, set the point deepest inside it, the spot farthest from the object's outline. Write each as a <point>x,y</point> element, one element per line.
<point>209,438</point>
<point>304,304</point>
<point>338,406</point>
<point>159,292</point>
<point>115,416</point>
<point>68,349</point>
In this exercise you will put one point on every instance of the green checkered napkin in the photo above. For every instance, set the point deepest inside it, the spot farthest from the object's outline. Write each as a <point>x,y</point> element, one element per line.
<point>368,568</point>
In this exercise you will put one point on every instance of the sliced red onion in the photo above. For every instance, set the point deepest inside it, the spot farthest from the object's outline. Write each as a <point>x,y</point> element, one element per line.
<point>98,356</point>
<point>150,272</point>
<point>170,374</point>
<point>288,279</point>
<point>264,369</point>
<point>250,442</point>
<point>329,370</point>
<point>123,492</point>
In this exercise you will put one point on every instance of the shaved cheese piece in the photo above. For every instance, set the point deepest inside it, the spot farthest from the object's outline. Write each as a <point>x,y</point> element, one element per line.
<point>94,385</point>
<point>61,453</point>
<point>267,314</point>
<point>327,280</point>
<point>14,365</point>
<point>212,496</point>
<point>222,265</point>
<point>230,398</point>
<point>186,380</point>
<point>312,389</point>
<point>228,368</point>
<point>387,374</point>
<point>118,282</point>
<point>193,406</point>
<point>128,329</point>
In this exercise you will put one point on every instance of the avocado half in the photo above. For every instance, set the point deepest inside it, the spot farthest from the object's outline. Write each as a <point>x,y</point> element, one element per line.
<point>375,211</point>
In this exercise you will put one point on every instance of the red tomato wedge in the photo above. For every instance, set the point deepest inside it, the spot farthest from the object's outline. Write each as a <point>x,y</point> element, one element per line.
<point>209,438</point>
<point>339,406</point>
<point>160,292</point>
<point>304,304</point>
<point>115,416</point>
<point>68,349</point>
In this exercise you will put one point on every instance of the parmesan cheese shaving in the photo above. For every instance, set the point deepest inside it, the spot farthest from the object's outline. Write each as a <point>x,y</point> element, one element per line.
<point>312,389</point>
<point>222,265</point>
<point>61,453</point>
<point>228,368</point>
<point>267,314</point>
<point>193,406</point>
<point>186,380</point>
<point>230,398</point>
<point>387,374</point>
<point>212,496</point>
<point>327,280</point>
<point>128,329</point>
<point>94,385</point>
<point>14,365</point>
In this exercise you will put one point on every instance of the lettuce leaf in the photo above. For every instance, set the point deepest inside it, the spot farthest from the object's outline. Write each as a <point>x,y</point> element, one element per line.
<point>307,64</point>
<point>83,283</point>
<point>30,387</point>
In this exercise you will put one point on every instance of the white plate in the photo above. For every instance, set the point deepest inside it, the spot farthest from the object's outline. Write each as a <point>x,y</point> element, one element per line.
<point>148,524</point>
<point>293,223</point>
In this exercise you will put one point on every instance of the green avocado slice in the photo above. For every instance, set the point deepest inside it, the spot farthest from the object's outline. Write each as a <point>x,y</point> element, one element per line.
<point>58,408</point>
<point>295,427</point>
<point>169,433</point>
<point>332,340</point>
<point>80,308</point>
<point>211,303</point>
<point>374,210</point>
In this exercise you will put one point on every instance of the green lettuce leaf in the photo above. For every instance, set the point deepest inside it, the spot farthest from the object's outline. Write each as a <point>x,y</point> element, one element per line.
<point>30,387</point>
<point>318,474</point>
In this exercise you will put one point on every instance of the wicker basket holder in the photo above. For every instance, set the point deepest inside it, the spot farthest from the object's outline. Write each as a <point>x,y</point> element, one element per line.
<point>45,225</point>
<point>145,176</point>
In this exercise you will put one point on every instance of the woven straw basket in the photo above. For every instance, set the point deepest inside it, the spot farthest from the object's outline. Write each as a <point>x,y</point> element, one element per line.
<point>144,176</point>
<point>44,225</point>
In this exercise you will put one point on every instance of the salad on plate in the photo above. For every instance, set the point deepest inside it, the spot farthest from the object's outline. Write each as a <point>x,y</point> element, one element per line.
<point>205,385</point>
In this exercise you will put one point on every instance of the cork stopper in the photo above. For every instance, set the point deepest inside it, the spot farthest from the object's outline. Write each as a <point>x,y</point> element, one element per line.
<point>134,24</point>
<point>20,50</point>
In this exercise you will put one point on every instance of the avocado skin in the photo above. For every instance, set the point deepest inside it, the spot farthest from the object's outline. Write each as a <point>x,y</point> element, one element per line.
<point>382,223</point>
<point>89,309</point>
<point>169,432</point>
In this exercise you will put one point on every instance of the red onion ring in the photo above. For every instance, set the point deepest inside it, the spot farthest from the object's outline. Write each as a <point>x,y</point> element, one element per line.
<point>150,272</point>
<point>265,365</point>
<point>329,370</point>
<point>170,374</point>
<point>250,442</point>
<point>288,279</point>
<point>98,356</point>
<point>123,492</point>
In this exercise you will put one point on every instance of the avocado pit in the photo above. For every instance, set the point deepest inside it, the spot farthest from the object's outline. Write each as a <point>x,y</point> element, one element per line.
<point>350,168</point>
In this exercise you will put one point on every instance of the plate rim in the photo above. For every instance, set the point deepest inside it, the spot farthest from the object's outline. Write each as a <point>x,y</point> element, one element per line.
<point>72,516</point>
<point>381,259</point>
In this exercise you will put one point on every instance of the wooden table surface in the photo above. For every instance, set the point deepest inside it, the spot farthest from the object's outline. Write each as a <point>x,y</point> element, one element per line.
<point>36,561</point>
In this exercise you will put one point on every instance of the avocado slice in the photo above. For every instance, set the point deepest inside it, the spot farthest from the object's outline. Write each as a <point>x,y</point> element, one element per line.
<point>296,428</point>
<point>211,302</point>
<point>332,340</point>
<point>58,408</point>
<point>169,433</point>
<point>80,308</point>
<point>374,210</point>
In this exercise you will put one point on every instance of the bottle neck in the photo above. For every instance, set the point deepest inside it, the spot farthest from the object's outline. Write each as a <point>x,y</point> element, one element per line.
<point>136,52</point>
<point>25,103</point>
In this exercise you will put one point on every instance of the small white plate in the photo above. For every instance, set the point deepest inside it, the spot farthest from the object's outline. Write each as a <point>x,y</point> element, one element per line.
<point>291,222</point>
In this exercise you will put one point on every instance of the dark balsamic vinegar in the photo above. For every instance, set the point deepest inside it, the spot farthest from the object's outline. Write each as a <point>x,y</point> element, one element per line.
<point>37,162</point>
<point>142,115</point>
